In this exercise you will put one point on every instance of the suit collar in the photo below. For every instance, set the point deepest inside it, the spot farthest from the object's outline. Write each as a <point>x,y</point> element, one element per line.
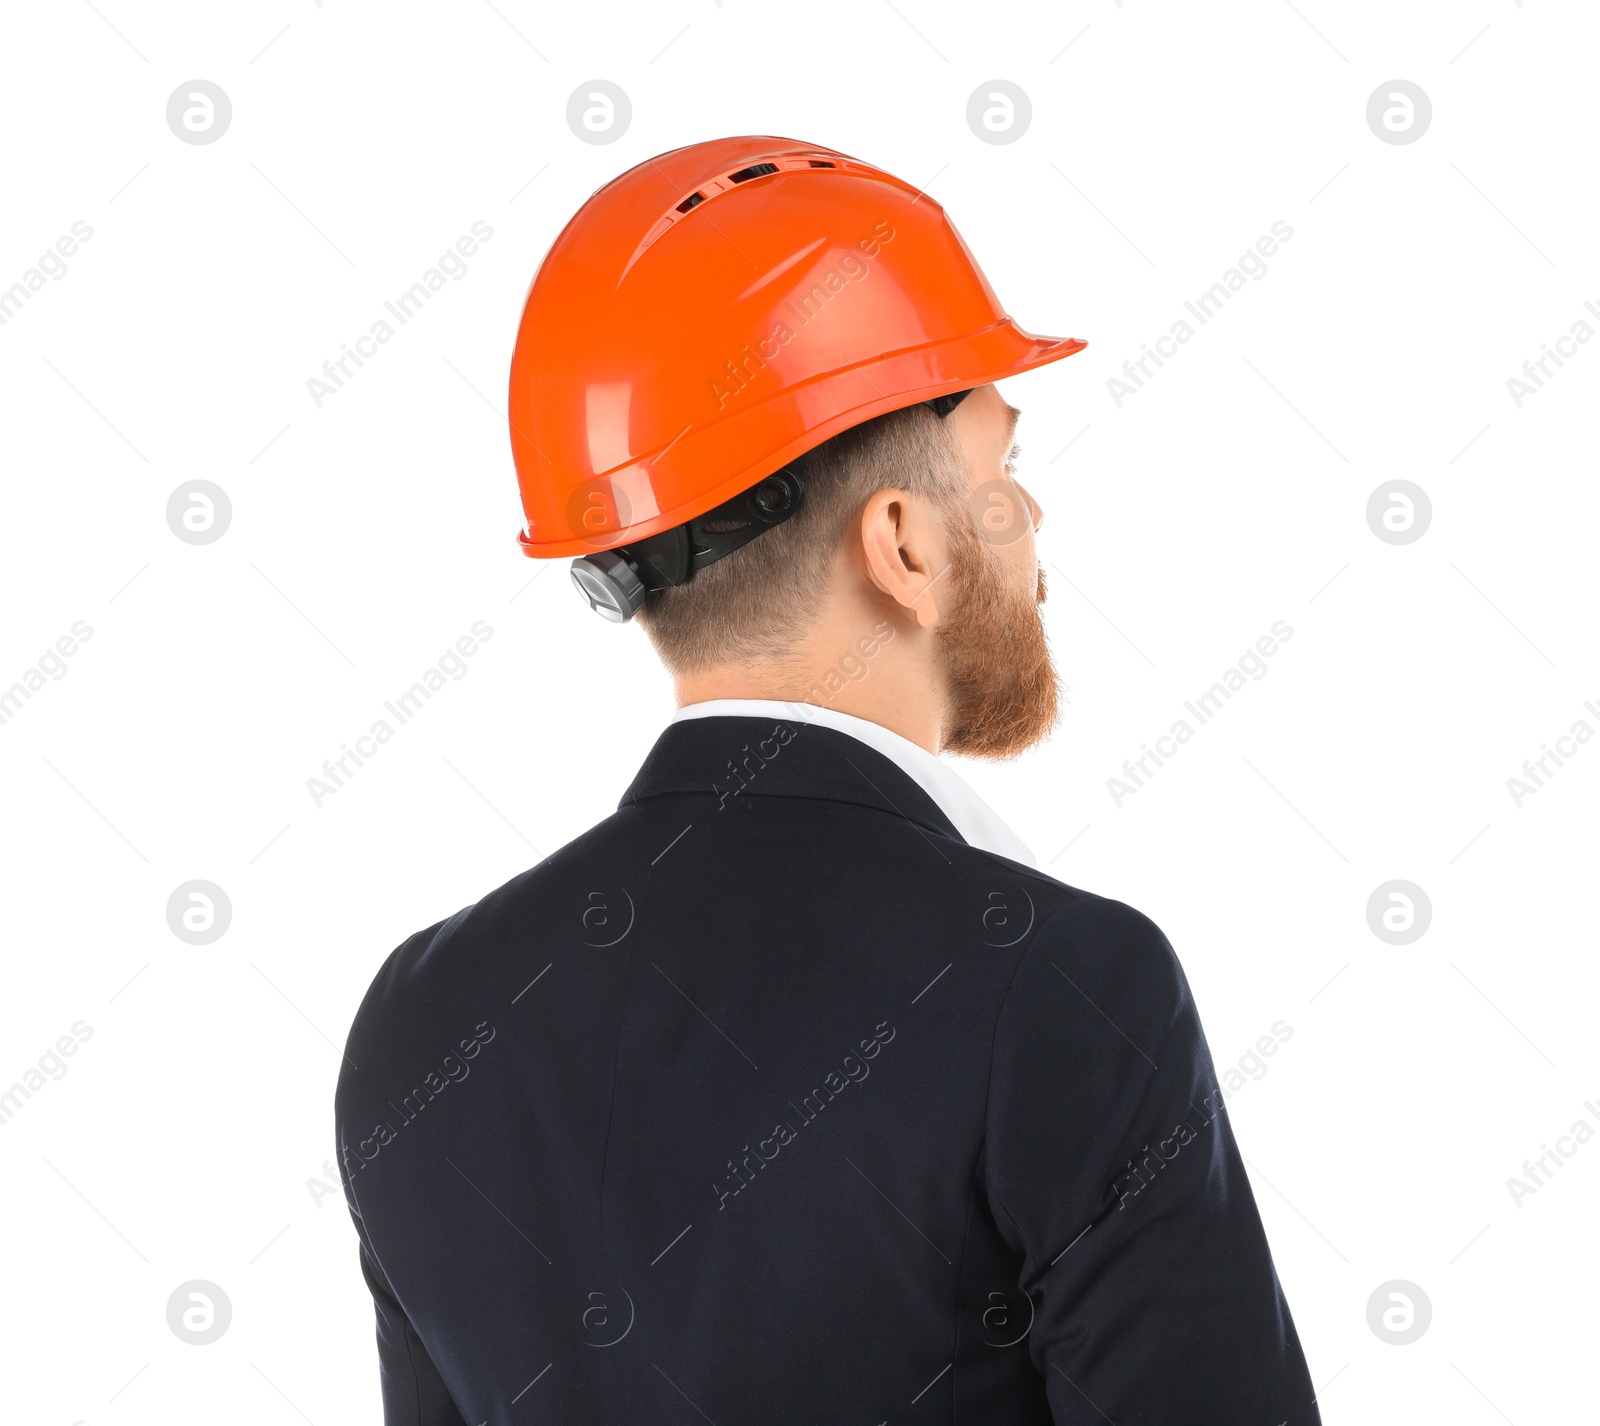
<point>731,758</point>
<point>972,817</point>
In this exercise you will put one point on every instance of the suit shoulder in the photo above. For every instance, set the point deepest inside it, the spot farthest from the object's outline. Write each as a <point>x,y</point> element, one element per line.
<point>449,961</point>
<point>1103,922</point>
<point>1107,949</point>
<point>1071,920</point>
<point>1098,1008</point>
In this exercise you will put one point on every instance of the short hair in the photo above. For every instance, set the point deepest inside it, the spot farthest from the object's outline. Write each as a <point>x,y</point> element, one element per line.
<point>758,602</point>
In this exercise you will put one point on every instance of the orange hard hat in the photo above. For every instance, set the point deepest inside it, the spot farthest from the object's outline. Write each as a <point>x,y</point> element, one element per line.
<point>714,313</point>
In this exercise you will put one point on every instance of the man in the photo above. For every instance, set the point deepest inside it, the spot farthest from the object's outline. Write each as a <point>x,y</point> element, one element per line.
<point>791,1092</point>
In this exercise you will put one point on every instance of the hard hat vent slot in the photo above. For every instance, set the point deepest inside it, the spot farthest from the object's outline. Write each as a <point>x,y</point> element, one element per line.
<point>821,163</point>
<point>756,170</point>
<point>691,201</point>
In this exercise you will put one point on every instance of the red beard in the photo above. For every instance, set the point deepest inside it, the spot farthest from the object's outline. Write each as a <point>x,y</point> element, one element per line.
<point>1004,692</point>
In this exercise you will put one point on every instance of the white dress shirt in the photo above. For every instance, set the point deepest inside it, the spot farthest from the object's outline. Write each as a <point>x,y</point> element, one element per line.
<point>968,813</point>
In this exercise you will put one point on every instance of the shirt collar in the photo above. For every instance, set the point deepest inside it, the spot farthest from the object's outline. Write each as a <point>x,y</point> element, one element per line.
<point>978,823</point>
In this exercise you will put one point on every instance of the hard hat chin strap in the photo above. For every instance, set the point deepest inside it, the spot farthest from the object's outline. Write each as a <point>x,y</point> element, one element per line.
<point>615,582</point>
<point>942,406</point>
<point>672,556</point>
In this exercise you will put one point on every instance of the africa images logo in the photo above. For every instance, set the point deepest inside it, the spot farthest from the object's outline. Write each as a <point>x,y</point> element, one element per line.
<point>738,372</point>
<point>426,1089</point>
<point>743,1173</point>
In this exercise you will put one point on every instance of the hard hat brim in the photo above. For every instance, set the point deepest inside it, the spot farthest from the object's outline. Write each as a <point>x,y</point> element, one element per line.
<point>820,408</point>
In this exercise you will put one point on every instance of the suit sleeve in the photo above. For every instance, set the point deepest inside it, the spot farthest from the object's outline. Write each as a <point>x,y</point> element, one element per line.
<point>1112,1172</point>
<point>414,1393</point>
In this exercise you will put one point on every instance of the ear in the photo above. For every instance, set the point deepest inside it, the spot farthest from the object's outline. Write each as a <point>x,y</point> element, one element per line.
<point>903,546</point>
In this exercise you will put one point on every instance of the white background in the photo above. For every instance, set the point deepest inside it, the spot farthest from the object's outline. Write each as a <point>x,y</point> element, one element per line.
<point>369,534</point>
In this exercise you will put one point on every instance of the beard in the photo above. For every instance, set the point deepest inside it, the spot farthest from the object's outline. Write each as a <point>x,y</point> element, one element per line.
<point>1004,691</point>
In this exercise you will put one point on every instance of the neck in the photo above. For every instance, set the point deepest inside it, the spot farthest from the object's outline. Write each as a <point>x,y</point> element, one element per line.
<point>878,667</point>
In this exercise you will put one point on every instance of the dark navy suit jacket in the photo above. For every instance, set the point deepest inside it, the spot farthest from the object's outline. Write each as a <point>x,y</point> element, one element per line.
<point>771,1100</point>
